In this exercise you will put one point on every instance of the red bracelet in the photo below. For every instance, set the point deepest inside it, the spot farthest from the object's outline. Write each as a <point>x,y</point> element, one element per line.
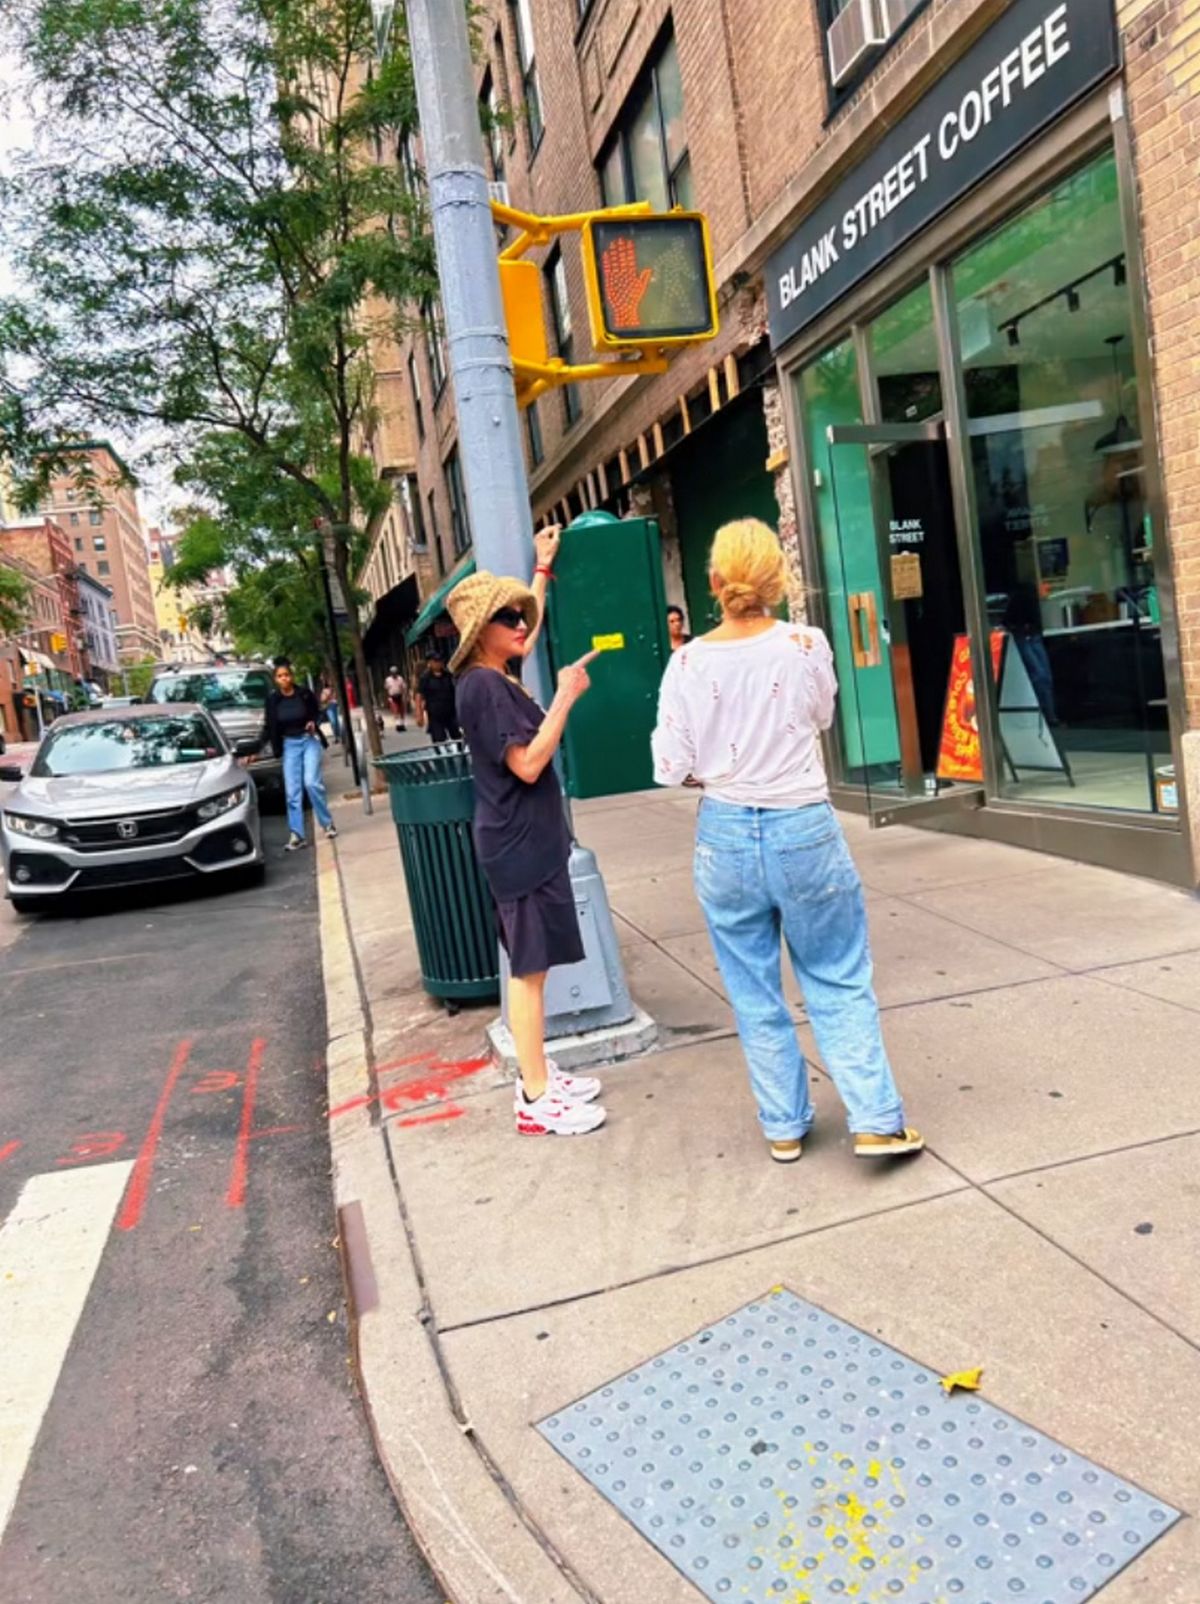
<point>542,569</point>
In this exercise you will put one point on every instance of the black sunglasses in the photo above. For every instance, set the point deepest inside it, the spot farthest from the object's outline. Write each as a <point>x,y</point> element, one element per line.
<point>509,617</point>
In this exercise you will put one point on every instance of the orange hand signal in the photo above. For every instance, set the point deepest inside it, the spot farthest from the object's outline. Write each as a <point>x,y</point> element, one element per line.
<point>624,286</point>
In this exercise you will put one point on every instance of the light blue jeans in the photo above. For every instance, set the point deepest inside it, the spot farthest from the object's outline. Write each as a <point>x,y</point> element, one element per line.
<point>302,772</point>
<point>763,873</point>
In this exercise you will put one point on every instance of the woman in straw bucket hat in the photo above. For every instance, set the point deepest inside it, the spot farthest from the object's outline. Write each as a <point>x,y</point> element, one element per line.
<point>740,715</point>
<point>521,834</point>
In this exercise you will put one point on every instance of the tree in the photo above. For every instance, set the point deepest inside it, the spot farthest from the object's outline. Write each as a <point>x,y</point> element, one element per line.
<point>14,601</point>
<point>213,252</point>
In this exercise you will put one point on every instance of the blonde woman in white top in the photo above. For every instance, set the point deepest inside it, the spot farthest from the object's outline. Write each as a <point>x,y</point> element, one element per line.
<point>740,715</point>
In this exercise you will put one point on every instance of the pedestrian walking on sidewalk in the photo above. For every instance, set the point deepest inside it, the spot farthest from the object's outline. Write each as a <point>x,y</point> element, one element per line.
<point>521,834</point>
<point>397,695</point>
<point>294,730</point>
<point>436,704</point>
<point>740,715</point>
<point>329,709</point>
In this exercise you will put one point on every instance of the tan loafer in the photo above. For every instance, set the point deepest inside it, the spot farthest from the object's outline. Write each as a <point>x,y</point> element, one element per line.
<point>785,1152</point>
<point>893,1146</point>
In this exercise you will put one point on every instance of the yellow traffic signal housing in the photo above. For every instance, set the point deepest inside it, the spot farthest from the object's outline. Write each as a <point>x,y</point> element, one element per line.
<point>649,280</point>
<point>521,286</point>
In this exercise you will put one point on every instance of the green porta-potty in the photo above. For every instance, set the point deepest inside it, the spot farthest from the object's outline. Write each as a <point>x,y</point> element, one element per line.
<point>433,801</point>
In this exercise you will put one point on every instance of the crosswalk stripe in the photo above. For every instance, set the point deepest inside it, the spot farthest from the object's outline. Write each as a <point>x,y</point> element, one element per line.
<point>50,1247</point>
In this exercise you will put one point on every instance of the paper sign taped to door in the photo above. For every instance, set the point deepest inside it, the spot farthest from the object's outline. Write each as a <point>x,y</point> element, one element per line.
<point>907,584</point>
<point>608,643</point>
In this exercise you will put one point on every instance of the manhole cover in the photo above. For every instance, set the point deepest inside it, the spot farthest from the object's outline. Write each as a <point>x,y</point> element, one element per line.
<point>782,1455</point>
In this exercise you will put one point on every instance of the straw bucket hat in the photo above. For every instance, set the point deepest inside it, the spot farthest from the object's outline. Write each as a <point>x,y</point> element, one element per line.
<point>478,599</point>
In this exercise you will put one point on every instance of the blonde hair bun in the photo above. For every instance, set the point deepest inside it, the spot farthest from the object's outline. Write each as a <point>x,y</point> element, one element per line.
<point>748,568</point>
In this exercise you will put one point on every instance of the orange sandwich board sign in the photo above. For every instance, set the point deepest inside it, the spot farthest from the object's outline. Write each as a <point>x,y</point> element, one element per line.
<point>960,756</point>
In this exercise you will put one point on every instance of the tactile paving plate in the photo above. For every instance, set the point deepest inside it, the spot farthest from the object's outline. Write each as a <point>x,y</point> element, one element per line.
<point>785,1457</point>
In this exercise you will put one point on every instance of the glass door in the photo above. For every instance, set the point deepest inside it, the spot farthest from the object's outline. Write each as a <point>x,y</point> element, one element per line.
<point>907,685</point>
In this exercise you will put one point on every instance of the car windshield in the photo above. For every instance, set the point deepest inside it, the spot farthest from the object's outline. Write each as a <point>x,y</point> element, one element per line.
<point>113,744</point>
<point>217,688</point>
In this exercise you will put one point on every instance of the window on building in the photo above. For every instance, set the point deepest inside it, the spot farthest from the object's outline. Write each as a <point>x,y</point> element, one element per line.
<point>78,543</point>
<point>490,116</point>
<point>437,533</point>
<point>564,339</point>
<point>647,157</point>
<point>102,567</point>
<point>850,55</point>
<point>414,382</point>
<point>74,520</point>
<point>99,543</point>
<point>410,497</point>
<point>533,427</point>
<point>435,345</point>
<point>95,516</point>
<point>530,91</point>
<point>460,525</point>
<point>406,155</point>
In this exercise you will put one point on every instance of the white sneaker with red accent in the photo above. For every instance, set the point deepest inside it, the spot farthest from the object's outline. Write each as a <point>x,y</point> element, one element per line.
<point>575,1088</point>
<point>551,1114</point>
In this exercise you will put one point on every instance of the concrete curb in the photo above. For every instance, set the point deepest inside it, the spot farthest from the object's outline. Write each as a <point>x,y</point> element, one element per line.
<point>475,1539</point>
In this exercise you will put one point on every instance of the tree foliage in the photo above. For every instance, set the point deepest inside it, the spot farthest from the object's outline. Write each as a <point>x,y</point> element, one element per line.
<point>216,231</point>
<point>15,592</point>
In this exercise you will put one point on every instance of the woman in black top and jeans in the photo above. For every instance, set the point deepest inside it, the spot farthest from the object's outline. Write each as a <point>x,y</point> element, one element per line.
<point>294,730</point>
<point>521,834</point>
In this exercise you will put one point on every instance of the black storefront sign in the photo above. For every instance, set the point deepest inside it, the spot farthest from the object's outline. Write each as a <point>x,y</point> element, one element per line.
<point>1026,70</point>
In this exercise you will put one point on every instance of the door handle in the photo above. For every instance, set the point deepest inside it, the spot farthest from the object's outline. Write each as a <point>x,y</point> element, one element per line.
<point>864,629</point>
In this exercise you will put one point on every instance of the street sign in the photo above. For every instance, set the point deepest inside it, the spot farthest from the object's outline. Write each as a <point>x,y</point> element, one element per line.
<point>649,280</point>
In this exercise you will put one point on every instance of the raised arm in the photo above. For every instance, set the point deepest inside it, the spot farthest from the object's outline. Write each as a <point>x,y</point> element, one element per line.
<point>545,544</point>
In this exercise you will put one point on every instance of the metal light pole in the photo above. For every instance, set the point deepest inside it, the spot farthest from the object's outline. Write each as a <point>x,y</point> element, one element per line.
<point>588,1002</point>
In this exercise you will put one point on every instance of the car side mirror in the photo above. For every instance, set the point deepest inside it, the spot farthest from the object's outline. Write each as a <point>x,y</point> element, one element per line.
<point>246,748</point>
<point>10,774</point>
<point>136,701</point>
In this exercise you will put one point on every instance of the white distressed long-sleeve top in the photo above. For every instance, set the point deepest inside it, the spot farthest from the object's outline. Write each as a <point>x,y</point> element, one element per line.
<point>743,717</point>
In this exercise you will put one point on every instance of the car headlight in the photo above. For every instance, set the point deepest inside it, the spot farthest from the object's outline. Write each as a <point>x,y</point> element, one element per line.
<point>24,824</point>
<point>217,805</point>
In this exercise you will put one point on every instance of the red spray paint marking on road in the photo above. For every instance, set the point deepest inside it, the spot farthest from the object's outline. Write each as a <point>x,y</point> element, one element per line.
<point>143,1169</point>
<point>236,1195</point>
<point>217,1080</point>
<point>8,1150</point>
<point>96,1144</point>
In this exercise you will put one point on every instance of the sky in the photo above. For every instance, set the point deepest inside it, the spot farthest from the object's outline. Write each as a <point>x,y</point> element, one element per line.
<point>16,135</point>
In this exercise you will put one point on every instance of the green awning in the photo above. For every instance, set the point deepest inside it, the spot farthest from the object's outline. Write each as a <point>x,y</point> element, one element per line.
<point>436,605</point>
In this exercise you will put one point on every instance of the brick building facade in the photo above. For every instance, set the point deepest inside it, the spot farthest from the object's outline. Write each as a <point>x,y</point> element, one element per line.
<point>1012,313</point>
<point>108,540</point>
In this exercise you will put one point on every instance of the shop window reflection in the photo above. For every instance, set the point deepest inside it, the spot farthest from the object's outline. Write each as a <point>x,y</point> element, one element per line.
<point>1063,525</point>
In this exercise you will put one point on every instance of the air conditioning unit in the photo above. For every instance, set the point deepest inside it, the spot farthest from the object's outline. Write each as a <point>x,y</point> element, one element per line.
<point>499,193</point>
<point>854,36</point>
<point>897,12</point>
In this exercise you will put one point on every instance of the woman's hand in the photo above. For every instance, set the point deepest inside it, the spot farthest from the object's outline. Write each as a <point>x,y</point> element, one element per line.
<point>546,543</point>
<point>573,680</point>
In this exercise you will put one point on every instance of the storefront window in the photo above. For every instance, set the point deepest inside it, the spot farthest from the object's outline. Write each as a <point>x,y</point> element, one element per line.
<point>1063,525</point>
<point>841,499</point>
<point>904,357</point>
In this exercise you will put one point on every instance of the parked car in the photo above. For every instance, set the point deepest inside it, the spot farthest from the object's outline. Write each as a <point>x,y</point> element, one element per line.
<point>236,696</point>
<point>123,797</point>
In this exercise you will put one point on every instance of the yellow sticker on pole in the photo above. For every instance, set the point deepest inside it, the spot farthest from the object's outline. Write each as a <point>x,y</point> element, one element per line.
<point>608,643</point>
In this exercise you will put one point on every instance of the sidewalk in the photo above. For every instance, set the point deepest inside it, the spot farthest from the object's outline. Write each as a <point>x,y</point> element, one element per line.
<point>1044,1020</point>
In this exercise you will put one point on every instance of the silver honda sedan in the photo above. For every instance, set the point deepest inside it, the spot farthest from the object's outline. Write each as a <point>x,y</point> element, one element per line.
<point>125,796</point>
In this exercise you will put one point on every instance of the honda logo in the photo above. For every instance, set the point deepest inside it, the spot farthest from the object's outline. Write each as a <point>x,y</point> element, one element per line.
<point>127,829</point>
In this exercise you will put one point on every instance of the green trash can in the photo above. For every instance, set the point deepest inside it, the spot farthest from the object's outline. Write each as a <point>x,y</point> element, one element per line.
<point>433,802</point>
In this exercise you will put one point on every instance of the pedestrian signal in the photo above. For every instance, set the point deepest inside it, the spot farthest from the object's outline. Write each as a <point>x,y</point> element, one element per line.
<point>649,280</point>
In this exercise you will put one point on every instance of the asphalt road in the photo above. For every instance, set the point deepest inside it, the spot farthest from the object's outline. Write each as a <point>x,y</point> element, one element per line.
<point>203,1439</point>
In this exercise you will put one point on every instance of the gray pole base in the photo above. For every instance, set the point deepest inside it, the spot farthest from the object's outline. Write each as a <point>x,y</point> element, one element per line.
<point>608,1045</point>
<point>590,1016</point>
